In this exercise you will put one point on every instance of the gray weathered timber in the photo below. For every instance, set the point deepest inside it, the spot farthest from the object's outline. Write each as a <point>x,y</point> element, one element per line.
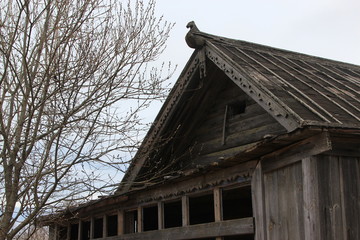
<point>258,200</point>
<point>311,199</point>
<point>226,228</point>
<point>284,203</point>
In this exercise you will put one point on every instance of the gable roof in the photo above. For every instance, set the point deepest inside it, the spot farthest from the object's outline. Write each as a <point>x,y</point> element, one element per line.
<point>297,90</point>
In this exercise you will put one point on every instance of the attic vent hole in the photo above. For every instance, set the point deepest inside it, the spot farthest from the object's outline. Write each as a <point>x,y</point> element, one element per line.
<point>236,108</point>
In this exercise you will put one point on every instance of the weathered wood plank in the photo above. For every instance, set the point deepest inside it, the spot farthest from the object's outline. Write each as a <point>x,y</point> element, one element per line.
<point>185,211</point>
<point>236,139</point>
<point>351,196</point>
<point>139,219</point>
<point>120,227</point>
<point>295,152</point>
<point>217,204</point>
<point>258,202</point>
<point>177,189</point>
<point>284,203</point>
<point>215,229</point>
<point>331,222</point>
<point>311,199</point>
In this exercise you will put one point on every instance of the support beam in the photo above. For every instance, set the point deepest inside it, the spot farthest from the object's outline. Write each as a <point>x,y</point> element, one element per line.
<point>92,226</point>
<point>217,207</point>
<point>80,230</point>
<point>104,234</point>
<point>185,211</point>
<point>217,204</point>
<point>68,231</point>
<point>140,219</point>
<point>120,227</point>
<point>311,200</point>
<point>160,215</point>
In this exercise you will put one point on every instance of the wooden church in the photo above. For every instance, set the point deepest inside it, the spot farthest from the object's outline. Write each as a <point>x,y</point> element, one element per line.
<point>253,142</point>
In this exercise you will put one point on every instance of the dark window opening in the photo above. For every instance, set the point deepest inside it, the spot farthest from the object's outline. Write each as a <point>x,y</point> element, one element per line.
<point>240,237</point>
<point>85,232</point>
<point>74,231</point>
<point>112,225</point>
<point>236,108</point>
<point>237,203</point>
<point>150,218</point>
<point>62,233</point>
<point>98,228</point>
<point>130,222</point>
<point>172,214</point>
<point>201,209</point>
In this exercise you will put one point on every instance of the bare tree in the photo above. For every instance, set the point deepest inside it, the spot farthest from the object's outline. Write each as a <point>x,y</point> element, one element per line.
<point>73,79</point>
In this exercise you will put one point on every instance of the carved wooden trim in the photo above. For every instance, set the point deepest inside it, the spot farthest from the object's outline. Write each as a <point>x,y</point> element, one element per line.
<point>159,123</point>
<point>284,115</point>
<point>240,174</point>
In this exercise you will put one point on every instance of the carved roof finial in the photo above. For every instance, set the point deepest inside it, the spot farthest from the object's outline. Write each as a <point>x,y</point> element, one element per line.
<point>193,37</point>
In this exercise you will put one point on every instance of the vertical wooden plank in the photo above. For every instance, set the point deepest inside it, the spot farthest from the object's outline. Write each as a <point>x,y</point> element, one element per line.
<point>271,205</point>
<point>140,219</point>
<point>120,227</point>
<point>92,226</point>
<point>342,198</point>
<point>311,199</point>
<point>185,211</point>
<point>68,231</point>
<point>284,203</point>
<point>217,204</point>
<point>105,220</point>
<point>160,215</point>
<point>56,231</point>
<point>80,230</point>
<point>330,197</point>
<point>258,198</point>
<point>52,232</point>
<point>351,195</point>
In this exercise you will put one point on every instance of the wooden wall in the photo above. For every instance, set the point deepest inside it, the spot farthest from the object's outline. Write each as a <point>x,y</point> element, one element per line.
<point>318,197</point>
<point>221,132</point>
<point>339,197</point>
<point>214,120</point>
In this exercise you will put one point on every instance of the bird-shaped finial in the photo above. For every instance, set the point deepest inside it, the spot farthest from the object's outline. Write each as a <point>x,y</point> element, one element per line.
<point>193,38</point>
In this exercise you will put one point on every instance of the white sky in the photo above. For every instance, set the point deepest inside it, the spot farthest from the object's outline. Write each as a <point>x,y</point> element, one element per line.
<point>324,28</point>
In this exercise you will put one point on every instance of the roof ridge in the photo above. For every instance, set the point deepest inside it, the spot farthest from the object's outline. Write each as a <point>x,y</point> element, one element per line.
<point>197,39</point>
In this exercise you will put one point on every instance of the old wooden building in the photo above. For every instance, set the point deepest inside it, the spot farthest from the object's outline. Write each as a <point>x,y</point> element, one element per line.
<point>253,142</point>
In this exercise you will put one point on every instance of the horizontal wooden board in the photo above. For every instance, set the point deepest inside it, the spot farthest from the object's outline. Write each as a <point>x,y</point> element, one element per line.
<point>215,229</point>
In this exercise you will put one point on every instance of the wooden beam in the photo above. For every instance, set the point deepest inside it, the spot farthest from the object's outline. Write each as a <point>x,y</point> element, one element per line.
<point>258,202</point>
<point>57,229</point>
<point>140,219</point>
<point>80,230</point>
<point>288,155</point>
<point>92,227</point>
<point>208,230</point>
<point>218,207</point>
<point>120,217</point>
<point>218,204</point>
<point>68,231</point>
<point>160,215</point>
<point>185,211</point>
<point>197,182</point>
<point>311,199</point>
<point>105,223</point>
